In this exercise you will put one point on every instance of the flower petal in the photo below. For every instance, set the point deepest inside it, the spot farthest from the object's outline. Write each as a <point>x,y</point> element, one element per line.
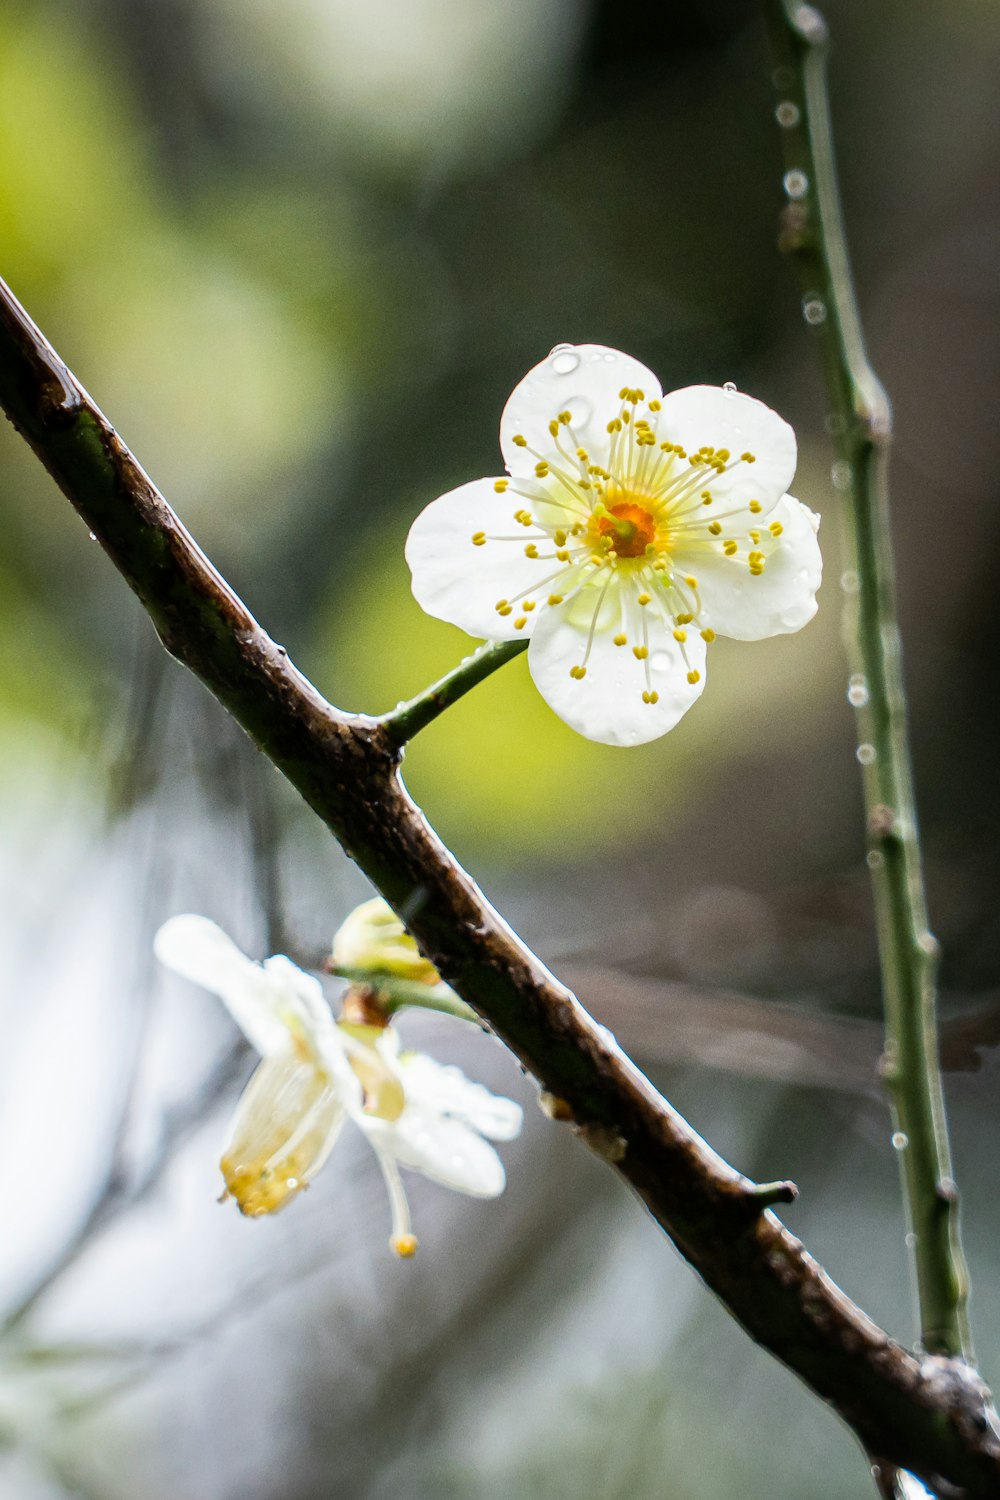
<point>607,705</point>
<point>708,414</point>
<point>444,1150</point>
<point>457,581</point>
<point>583,379</point>
<point>301,992</point>
<point>783,597</point>
<point>199,950</point>
<point>446,1088</point>
<point>286,1124</point>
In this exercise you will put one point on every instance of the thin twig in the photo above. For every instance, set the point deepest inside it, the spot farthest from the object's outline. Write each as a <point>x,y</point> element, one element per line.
<point>409,718</point>
<point>400,994</point>
<point>346,768</point>
<point>813,232</point>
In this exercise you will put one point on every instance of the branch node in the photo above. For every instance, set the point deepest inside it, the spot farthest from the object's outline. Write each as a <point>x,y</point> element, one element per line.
<point>555,1108</point>
<point>604,1141</point>
<point>883,822</point>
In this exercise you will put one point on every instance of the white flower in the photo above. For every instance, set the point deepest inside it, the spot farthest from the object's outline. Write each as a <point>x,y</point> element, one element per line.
<point>633,528</point>
<point>315,1073</point>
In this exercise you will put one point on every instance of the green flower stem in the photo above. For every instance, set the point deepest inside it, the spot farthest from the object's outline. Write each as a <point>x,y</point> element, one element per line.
<point>397,994</point>
<point>409,718</point>
<point>812,232</point>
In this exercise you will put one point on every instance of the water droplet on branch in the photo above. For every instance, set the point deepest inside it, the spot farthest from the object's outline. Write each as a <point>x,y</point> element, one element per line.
<point>857,691</point>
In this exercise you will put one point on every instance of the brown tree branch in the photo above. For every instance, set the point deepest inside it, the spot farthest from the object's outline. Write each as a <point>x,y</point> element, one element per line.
<point>930,1416</point>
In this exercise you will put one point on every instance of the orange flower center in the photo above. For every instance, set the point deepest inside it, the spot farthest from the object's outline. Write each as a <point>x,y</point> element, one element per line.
<point>630,527</point>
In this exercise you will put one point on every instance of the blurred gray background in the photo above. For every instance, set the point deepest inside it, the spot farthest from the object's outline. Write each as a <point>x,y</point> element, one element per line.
<point>300,254</point>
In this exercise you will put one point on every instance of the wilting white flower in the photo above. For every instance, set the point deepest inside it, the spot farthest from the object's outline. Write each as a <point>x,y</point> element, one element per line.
<point>315,1073</point>
<point>373,937</point>
<point>630,530</point>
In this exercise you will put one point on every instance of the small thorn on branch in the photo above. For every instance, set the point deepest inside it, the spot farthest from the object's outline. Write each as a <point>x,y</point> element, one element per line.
<point>763,1194</point>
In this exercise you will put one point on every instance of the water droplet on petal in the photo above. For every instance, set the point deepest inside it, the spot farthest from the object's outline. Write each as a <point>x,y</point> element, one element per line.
<point>564,359</point>
<point>900,1141</point>
<point>857,690</point>
<point>814,310</point>
<point>911,1241</point>
<point>660,661</point>
<point>580,411</point>
<point>787,114</point>
<point>93,536</point>
<point>866,754</point>
<point>730,388</point>
<point>609,359</point>
<point>796,183</point>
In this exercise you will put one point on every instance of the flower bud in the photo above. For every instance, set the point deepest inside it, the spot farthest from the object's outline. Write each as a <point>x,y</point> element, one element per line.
<point>374,938</point>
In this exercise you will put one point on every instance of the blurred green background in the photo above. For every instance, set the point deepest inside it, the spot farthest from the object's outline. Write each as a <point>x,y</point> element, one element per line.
<point>300,254</point>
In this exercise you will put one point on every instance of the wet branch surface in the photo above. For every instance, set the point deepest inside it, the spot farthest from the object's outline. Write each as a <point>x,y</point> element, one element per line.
<point>931,1416</point>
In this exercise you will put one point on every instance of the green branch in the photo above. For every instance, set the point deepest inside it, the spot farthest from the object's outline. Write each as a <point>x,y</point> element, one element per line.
<point>812,232</point>
<point>409,718</point>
